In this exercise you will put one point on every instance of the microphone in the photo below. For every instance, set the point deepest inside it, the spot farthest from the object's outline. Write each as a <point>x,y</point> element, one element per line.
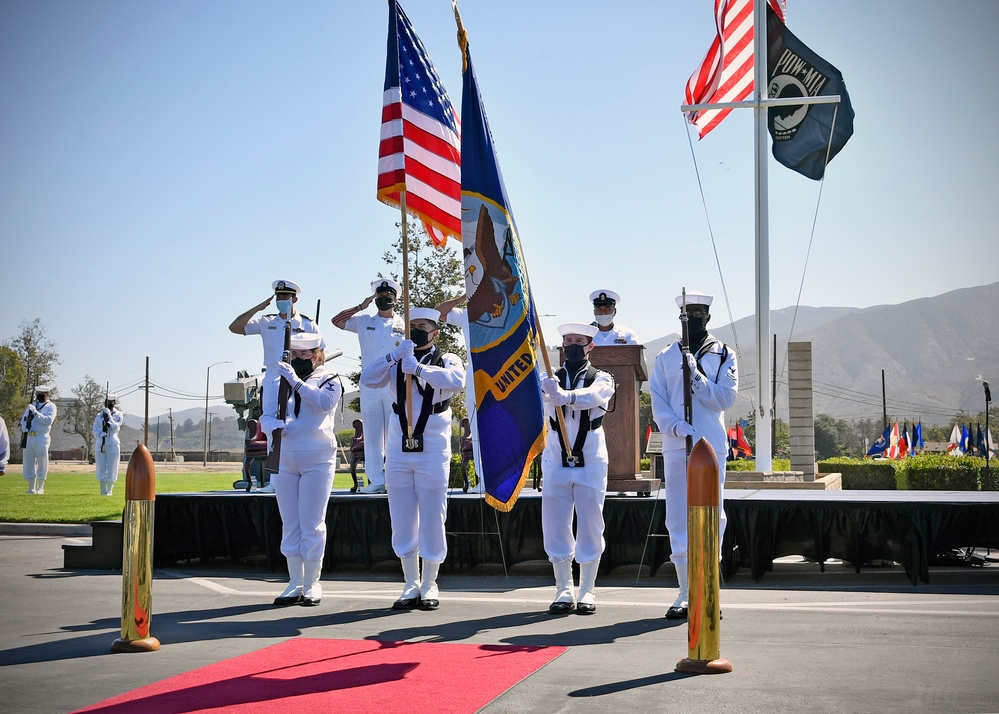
<point>988,394</point>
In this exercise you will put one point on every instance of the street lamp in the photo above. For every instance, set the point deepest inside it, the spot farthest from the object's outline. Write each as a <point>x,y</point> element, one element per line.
<point>207,382</point>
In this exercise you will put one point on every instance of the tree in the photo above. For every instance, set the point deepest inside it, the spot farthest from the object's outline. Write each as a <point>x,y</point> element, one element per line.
<point>38,355</point>
<point>81,412</point>
<point>12,378</point>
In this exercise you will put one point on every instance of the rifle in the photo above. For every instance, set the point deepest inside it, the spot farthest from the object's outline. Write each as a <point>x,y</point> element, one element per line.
<point>106,414</point>
<point>273,463</point>
<point>688,397</point>
<point>27,425</point>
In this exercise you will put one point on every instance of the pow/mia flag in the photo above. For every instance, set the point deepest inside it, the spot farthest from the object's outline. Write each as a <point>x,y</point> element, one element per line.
<point>801,133</point>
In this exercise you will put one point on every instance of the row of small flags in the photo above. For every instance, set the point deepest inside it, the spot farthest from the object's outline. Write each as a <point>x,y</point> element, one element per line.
<point>896,443</point>
<point>962,441</point>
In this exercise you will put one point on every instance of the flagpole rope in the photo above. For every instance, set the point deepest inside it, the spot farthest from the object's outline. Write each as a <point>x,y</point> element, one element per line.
<point>714,247</point>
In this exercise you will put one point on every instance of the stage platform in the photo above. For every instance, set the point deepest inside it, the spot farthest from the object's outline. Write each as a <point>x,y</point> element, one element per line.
<point>908,527</point>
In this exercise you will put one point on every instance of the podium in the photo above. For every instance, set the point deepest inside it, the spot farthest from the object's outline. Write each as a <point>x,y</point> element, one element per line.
<point>627,364</point>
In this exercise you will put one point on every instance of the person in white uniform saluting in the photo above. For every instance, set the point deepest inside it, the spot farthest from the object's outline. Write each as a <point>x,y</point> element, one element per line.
<point>575,473</point>
<point>418,451</point>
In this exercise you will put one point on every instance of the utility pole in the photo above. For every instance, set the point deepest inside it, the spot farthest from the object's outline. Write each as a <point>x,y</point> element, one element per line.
<point>145,440</point>
<point>884,402</point>
<point>173,453</point>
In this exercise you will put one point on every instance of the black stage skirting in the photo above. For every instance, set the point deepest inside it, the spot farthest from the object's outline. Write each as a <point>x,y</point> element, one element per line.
<point>908,527</point>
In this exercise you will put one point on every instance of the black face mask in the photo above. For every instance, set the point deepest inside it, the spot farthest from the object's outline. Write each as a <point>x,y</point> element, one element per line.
<point>420,338</point>
<point>574,354</point>
<point>384,303</point>
<point>41,397</point>
<point>303,367</point>
<point>109,405</point>
<point>697,328</point>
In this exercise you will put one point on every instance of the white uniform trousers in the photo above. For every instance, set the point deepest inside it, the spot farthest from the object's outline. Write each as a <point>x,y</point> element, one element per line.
<point>557,503</point>
<point>303,489</point>
<point>675,466</point>
<point>376,410</point>
<point>108,460</point>
<point>269,391</point>
<point>36,457</point>
<point>417,496</point>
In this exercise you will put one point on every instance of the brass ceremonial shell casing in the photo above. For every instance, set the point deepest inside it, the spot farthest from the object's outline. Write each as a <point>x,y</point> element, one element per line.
<point>137,555</point>
<point>703,569</point>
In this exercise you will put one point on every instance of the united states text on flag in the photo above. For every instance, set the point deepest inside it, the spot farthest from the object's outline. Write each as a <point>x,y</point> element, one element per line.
<point>502,320</point>
<point>726,73</point>
<point>420,148</point>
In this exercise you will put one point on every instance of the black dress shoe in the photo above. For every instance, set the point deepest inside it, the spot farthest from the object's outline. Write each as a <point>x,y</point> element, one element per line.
<point>310,601</point>
<point>430,603</point>
<point>676,613</point>
<point>585,608</point>
<point>406,603</point>
<point>560,608</point>
<point>290,600</point>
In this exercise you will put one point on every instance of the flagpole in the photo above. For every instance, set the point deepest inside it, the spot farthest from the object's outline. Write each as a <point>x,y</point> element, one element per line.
<point>405,309</point>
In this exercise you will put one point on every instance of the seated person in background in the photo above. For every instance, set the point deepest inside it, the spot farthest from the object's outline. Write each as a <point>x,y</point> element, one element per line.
<point>356,454</point>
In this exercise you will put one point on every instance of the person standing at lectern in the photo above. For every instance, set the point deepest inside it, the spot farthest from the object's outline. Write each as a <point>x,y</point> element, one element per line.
<point>604,311</point>
<point>714,385</point>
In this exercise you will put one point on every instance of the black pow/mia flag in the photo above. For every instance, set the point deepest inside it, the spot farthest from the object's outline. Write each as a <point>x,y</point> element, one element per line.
<point>801,132</point>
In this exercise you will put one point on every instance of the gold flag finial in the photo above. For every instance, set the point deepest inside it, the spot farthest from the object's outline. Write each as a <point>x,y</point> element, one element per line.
<point>462,37</point>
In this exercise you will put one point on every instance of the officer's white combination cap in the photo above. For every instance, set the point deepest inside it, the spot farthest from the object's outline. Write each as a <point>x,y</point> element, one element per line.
<point>306,340</point>
<point>285,286</point>
<point>578,328</point>
<point>424,313</point>
<point>695,298</point>
<point>604,297</point>
<point>385,284</point>
<point>44,388</point>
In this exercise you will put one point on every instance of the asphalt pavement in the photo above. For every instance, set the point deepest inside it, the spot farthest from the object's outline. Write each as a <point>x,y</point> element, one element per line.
<point>799,641</point>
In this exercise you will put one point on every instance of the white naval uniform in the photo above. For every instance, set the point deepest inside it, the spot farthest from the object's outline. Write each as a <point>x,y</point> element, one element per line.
<point>271,331</point>
<point>715,389</point>
<point>616,335</point>
<point>579,488</point>
<point>417,482</point>
<point>376,336</point>
<point>107,461</point>
<point>36,451</point>
<point>308,464</point>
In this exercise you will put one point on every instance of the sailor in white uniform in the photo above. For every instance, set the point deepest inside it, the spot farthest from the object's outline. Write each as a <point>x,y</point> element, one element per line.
<point>307,465</point>
<point>418,453</point>
<point>36,422</point>
<point>604,311</point>
<point>714,383</point>
<point>575,473</point>
<point>377,335</point>
<point>107,443</point>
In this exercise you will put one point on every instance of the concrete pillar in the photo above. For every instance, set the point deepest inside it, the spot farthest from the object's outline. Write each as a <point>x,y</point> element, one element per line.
<point>801,418</point>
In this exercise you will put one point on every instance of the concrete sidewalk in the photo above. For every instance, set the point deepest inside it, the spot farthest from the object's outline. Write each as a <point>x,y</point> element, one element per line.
<point>798,641</point>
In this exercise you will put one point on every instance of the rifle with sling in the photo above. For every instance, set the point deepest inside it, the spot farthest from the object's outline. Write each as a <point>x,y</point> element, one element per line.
<point>688,397</point>
<point>273,463</point>
<point>27,425</point>
<point>106,416</point>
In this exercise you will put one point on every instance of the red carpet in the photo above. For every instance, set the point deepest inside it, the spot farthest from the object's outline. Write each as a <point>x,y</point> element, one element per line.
<point>310,675</point>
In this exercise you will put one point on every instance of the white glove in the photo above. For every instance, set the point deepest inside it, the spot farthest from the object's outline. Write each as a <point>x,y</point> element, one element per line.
<point>32,408</point>
<point>288,373</point>
<point>409,364</point>
<point>549,385</point>
<point>269,425</point>
<point>405,349</point>
<point>682,428</point>
<point>560,397</point>
<point>697,380</point>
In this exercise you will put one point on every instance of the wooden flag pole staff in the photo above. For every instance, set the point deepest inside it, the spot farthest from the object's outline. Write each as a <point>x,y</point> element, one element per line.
<point>405,313</point>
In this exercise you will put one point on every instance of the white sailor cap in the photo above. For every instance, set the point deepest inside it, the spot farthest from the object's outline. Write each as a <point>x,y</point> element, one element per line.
<point>578,328</point>
<point>695,298</point>
<point>306,340</point>
<point>111,397</point>
<point>285,286</point>
<point>43,388</point>
<point>601,298</point>
<point>382,284</point>
<point>425,313</point>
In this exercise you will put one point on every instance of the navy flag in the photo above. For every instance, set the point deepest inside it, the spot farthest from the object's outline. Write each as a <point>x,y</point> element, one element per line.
<point>801,132</point>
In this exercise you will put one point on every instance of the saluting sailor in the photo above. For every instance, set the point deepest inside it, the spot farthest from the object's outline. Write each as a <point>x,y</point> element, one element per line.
<point>575,473</point>
<point>418,453</point>
<point>714,384</point>
<point>604,311</point>
<point>377,335</point>
<point>36,423</point>
<point>270,327</point>
<point>107,443</point>
<point>307,467</point>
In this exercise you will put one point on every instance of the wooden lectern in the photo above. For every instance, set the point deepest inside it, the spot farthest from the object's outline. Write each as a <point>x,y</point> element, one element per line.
<point>627,365</point>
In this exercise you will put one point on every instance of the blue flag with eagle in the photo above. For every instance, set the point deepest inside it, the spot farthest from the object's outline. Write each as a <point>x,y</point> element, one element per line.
<point>502,320</point>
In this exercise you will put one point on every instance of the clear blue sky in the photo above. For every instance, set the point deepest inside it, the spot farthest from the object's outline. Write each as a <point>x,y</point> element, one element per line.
<point>162,162</point>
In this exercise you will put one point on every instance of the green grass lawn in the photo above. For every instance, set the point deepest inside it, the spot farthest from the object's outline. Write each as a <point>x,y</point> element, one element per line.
<point>76,498</point>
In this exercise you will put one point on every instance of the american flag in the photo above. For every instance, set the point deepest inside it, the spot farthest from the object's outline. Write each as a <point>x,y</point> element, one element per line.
<point>726,73</point>
<point>420,148</point>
